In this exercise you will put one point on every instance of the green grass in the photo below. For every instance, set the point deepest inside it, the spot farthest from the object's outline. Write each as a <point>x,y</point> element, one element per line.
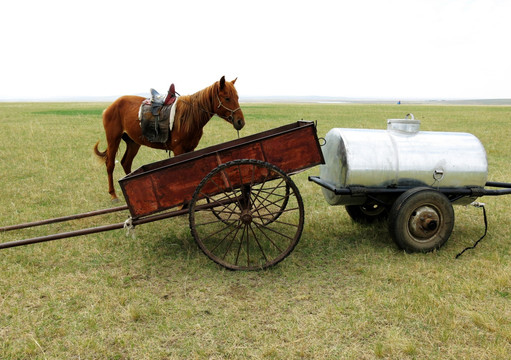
<point>345,292</point>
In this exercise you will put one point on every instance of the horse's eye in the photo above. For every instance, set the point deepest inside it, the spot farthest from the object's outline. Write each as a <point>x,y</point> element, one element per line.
<point>227,99</point>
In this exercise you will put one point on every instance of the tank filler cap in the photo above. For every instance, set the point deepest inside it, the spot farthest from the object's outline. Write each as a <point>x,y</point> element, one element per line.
<point>407,125</point>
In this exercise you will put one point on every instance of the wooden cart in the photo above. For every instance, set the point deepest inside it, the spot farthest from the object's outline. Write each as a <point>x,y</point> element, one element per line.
<point>245,212</point>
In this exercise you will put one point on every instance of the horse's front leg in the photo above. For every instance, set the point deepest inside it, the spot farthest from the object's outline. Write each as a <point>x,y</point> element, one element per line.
<point>130,153</point>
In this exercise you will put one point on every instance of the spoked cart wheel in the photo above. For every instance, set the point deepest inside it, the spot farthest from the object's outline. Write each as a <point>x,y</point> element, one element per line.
<point>421,220</point>
<point>246,215</point>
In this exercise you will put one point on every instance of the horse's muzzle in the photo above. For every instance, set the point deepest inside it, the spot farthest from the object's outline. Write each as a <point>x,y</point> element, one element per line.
<point>238,123</point>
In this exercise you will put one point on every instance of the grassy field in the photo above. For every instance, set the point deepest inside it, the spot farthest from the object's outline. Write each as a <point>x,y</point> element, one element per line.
<point>346,292</point>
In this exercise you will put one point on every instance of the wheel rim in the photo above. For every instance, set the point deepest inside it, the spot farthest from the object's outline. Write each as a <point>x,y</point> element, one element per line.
<point>372,209</point>
<point>424,222</point>
<point>254,216</point>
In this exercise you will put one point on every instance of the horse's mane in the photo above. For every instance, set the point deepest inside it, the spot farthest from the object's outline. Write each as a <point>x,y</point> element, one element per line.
<point>194,111</point>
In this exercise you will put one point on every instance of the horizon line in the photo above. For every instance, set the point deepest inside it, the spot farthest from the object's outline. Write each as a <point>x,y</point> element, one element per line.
<point>270,98</point>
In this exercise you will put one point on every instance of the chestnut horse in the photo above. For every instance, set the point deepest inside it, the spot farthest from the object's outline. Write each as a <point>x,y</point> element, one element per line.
<point>193,112</point>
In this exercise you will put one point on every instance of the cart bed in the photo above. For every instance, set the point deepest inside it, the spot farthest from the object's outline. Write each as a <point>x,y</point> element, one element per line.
<point>168,183</point>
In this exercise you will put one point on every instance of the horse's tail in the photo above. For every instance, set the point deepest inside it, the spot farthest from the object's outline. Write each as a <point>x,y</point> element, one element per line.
<point>102,156</point>
<point>99,154</point>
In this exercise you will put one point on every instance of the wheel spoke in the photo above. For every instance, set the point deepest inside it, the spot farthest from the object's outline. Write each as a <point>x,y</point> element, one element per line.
<point>267,207</point>
<point>220,188</point>
<point>230,244</point>
<point>239,246</point>
<point>273,207</point>
<point>259,244</point>
<point>261,185</point>
<point>228,179</point>
<point>266,190</point>
<point>269,193</point>
<point>248,244</point>
<point>278,222</point>
<point>260,228</point>
<point>267,219</point>
<point>207,237</point>
<point>220,201</point>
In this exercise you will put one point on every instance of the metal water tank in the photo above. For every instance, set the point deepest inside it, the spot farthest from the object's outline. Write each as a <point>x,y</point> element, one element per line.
<point>401,155</point>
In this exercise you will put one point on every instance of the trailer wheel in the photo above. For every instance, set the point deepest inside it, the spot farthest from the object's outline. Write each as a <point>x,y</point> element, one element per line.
<point>421,220</point>
<point>246,215</point>
<point>367,213</point>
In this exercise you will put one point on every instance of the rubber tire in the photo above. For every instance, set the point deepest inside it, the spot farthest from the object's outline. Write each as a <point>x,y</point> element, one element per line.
<point>402,219</point>
<point>367,213</point>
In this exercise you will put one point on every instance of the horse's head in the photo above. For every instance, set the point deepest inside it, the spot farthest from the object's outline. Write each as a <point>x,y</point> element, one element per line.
<point>227,106</point>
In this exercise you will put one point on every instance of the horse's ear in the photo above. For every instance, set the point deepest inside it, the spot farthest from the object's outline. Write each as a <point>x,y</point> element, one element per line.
<point>222,82</point>
<point>232,82</point>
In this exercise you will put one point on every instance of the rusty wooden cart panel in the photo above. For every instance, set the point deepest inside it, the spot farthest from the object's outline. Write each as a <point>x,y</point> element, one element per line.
<point>165,184</point>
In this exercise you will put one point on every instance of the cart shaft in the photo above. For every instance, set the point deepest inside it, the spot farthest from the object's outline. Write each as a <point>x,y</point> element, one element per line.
<point>63,218</point>
<point>104,228</point>
<point>92,230</point>
<point>61,235</point>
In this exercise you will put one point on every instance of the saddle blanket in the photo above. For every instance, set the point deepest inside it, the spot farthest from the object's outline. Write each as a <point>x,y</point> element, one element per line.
<point>156,128</point>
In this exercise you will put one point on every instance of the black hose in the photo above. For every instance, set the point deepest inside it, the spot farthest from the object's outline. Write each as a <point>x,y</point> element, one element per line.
<point>481,238</point>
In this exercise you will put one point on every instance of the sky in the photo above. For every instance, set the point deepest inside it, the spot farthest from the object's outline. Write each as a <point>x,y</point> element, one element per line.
<point>388,49</point>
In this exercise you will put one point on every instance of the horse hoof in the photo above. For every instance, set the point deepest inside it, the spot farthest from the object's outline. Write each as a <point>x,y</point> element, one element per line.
<point>115,200</point>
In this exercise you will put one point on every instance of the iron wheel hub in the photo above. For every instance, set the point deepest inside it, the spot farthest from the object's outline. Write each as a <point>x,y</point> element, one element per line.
<point>424,222</point>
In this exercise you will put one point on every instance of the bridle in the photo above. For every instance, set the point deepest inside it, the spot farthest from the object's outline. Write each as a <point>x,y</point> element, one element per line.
<point>229,118</point>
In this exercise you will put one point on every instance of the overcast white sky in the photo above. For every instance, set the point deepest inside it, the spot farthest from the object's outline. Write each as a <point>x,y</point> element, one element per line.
<point>397,49</point>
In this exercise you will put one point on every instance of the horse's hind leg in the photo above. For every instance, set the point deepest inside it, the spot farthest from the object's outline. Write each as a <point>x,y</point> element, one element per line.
<point>113,146</point>
<point>130,153</point>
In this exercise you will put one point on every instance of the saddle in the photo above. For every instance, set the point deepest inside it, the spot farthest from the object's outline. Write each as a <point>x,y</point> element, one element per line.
<point>158,100</point>
<point>155,115</point>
